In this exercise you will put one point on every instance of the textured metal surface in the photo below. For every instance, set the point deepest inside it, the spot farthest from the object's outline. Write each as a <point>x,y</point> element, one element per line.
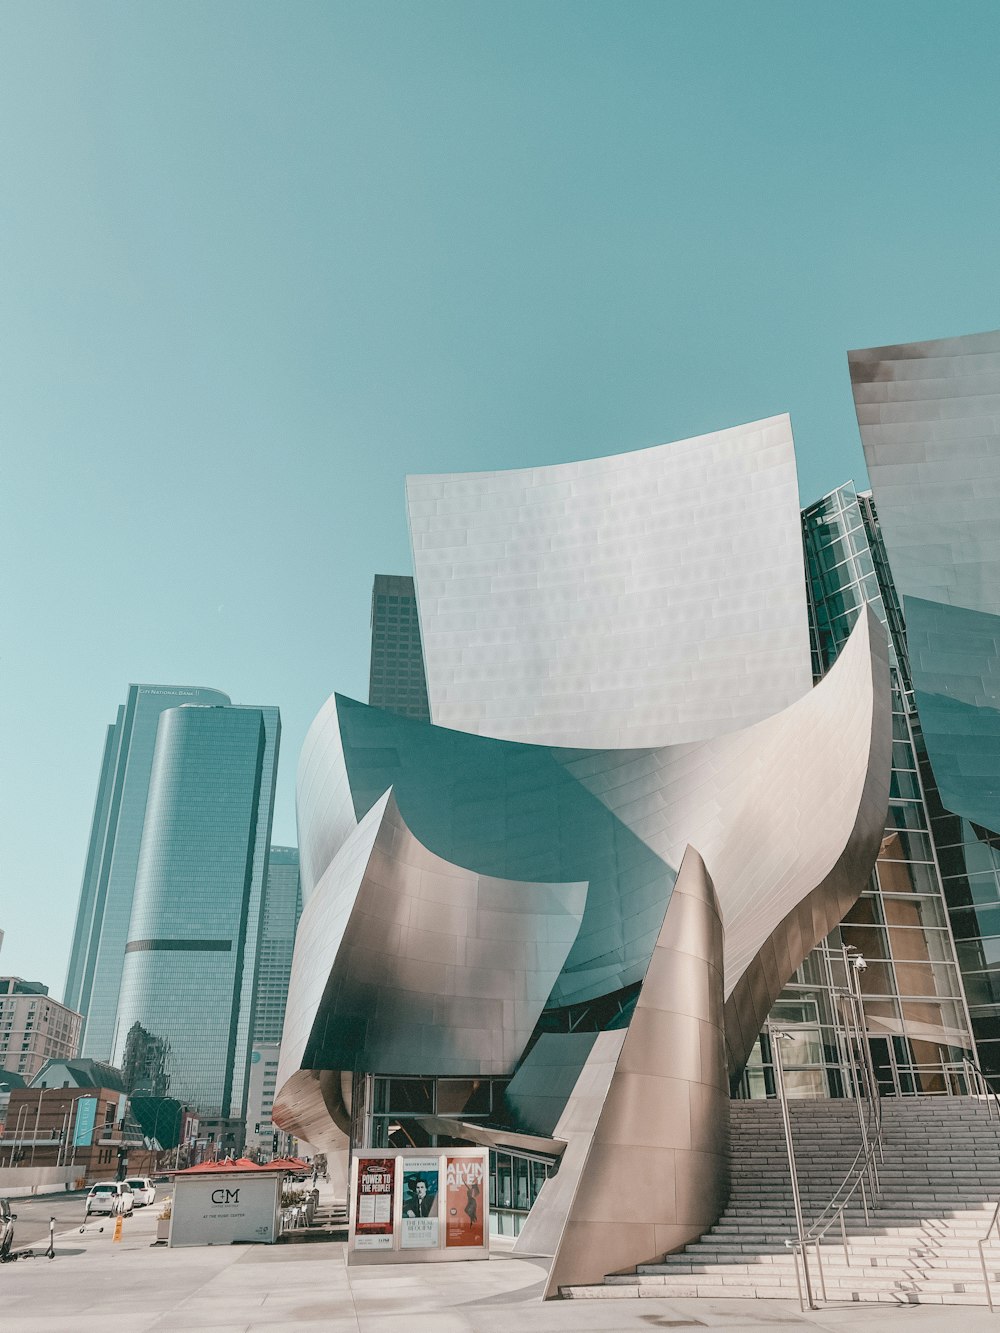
<point>657,1171</point>
<point>514,812</point>
<point>546,1079</point>
<point>788,814</point>
<point>621,819</point>
<point>406,963</point>
<point>402,824</point>
<point>324,805</point>
<point>929,415</point>
<point>544,1225</point>
<point>647,598</point>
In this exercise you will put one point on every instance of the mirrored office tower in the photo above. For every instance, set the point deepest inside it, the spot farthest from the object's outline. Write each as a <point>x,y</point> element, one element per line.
<point>282,909</point>
<point>188,979</point>
<point>98,951</point>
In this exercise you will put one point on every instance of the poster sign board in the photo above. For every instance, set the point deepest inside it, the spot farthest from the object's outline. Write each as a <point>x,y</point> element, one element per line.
<point>225,1208</point>
<point>373,1200</point>
<point>419,1222</point>
<point>417,1205</point>
<point>467,1183</point>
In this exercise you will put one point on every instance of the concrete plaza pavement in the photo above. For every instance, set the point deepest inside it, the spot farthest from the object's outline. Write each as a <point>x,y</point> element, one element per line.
<point>95,1284</point>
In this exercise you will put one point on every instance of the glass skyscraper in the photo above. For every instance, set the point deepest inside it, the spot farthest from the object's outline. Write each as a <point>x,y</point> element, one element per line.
<point>397,680</point>
<point>188,980</point>
<point>164,957</point>
<point>98,950</point>
<point>282,909</point>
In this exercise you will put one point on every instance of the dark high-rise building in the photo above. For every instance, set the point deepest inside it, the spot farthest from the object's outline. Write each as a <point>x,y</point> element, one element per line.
<point>397,680</point>
<point>282,909</point>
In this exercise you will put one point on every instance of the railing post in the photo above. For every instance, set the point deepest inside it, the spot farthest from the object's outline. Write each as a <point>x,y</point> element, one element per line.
<point>819,1264</point>
<point>986,1277</point>
<point>856,965</point>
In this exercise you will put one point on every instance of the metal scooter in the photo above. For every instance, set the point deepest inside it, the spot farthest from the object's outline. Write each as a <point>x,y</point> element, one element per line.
<point>8,1255</point>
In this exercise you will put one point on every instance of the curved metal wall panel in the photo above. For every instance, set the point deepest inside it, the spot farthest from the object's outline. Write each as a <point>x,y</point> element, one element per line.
<point>929,415</point>
<point>405,963</point>
<point>657,1171</point>
<point>513,812</point>
<point>440,967</point>
<point>653,597</point>
<point>775,809</point>
<point>323,803</point>
<point>319,936</point>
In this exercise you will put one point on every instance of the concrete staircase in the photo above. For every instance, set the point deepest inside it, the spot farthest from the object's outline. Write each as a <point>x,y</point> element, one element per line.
<point>329,1223</point>
<point>940,1182</point>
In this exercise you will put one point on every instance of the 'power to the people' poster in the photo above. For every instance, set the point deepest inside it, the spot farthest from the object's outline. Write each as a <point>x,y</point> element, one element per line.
<point>373,1205</point>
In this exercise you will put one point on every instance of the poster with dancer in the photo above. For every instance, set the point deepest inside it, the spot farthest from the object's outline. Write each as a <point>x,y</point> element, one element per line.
<point>466,1182</point>
<point>420,1203</point>
<point>373,1203</point>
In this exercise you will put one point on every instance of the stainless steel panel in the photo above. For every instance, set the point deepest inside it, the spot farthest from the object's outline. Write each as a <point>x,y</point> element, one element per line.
<point>651,1172</point>
<point>653,597</point>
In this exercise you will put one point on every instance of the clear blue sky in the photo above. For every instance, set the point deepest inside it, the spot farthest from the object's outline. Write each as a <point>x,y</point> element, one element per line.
<point>258,261</point>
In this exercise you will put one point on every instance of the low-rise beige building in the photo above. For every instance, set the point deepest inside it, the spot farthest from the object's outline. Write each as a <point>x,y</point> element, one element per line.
<point>34,1027</point>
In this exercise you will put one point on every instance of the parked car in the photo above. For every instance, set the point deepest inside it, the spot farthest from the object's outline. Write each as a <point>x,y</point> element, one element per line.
<point>110,1196</point>
<point>143,1190</point>
<point>7,1220</point>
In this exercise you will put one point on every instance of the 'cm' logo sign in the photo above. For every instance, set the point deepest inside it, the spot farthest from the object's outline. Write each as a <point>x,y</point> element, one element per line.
<point>225,1196</point>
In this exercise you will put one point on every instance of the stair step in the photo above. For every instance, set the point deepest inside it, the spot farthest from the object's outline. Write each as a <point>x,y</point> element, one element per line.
<point>939,1182</point>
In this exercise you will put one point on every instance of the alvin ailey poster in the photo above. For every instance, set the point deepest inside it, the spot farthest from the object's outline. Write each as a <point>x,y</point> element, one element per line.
<point>420,1203</point>
<point>465,1202</point>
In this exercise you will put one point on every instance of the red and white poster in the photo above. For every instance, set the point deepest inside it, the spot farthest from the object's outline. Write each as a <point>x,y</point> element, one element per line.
<point>373,1203</point>
<point>465,1202</point>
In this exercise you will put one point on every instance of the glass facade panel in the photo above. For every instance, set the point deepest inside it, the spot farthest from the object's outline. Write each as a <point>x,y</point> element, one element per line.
<point>901,925</point>
<point>282,909</point>
<point>95,969</point>
<point>185,1010</point>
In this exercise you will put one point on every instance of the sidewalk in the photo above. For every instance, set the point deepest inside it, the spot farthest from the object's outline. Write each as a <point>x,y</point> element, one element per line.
<point>94,1285</point>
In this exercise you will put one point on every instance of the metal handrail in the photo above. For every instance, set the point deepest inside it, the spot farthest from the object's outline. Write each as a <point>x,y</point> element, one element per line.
<point>834,1211</point>
<point>864,1164</point>
<point>982,1257</point>
<point>982,1084</point>
<point>991,1101</point>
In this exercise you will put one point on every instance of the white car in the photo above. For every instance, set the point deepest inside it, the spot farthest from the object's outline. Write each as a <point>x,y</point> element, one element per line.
<point>143,1190</point>
<point>113,1197</point>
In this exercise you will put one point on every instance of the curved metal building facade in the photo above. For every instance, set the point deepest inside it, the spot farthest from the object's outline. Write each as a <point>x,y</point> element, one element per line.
<point>631,813</point>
